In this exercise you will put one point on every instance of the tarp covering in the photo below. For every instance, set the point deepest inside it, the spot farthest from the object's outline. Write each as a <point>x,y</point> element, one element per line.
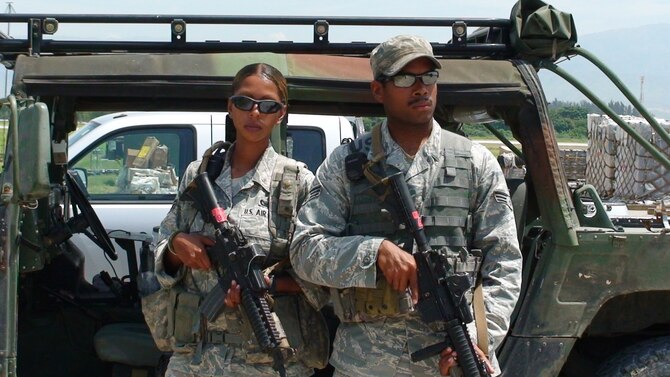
<point>225,65</point>
<point>324,79</point>
<point>194,65</point>
<point>540,31</point>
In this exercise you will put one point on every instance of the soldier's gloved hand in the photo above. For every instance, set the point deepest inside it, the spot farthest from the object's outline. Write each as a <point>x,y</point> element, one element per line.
<point>449,359</point>
<point>191,250</point>
<point>399,268</point>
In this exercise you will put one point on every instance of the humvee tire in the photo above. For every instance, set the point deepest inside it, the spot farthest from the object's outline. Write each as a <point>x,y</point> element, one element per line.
<point>650,358</point>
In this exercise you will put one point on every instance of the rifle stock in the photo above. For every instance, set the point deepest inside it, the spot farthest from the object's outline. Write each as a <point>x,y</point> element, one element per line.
<point>441,293</point>
<point>241,262</point>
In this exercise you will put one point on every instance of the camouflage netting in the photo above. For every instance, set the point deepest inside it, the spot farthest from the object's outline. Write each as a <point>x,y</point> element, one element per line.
<point>621,168</point>
<point>601,154</point>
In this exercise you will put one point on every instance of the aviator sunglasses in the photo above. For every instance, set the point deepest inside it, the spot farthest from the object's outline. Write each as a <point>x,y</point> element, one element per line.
<point>265,106</point>
<point>405,80</point>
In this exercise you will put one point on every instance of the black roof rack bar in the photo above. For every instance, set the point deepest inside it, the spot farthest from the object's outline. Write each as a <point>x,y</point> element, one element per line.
<point>255,20</point>
<point>11,47</point>
<point>43,39</point>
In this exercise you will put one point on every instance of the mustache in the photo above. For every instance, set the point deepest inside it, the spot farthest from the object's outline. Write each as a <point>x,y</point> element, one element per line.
<point>421,99</point>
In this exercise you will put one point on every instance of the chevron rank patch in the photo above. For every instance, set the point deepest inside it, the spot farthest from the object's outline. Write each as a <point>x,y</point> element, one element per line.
<point>502,197</point>
<point>314,192</point>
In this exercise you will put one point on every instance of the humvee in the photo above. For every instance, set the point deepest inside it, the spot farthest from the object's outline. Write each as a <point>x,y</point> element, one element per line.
<point>595,298</point>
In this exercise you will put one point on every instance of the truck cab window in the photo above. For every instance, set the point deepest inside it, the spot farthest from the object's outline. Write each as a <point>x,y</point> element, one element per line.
<point>306,144</point>
<point>146,163</point>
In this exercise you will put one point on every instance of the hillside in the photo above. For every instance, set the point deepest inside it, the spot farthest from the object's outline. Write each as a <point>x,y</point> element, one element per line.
<point>630,53</point>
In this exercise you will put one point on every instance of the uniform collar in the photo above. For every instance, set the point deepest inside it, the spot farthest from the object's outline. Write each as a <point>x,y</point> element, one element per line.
<point>429,151</point>
<point>262,174</point>
<point>264,168</point>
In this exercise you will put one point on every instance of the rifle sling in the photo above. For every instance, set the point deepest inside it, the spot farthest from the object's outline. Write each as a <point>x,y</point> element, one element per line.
<point>480,318</point>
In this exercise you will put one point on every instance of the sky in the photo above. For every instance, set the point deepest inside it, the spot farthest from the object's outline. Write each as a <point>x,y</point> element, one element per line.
<point>590,16</point>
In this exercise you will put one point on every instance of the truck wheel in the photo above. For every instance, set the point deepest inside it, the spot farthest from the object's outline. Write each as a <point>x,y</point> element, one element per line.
<point>650,358</point>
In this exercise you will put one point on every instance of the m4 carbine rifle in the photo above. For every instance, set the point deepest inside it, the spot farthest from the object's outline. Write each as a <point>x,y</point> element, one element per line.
<point>441,292</point>
<point>241,261</point>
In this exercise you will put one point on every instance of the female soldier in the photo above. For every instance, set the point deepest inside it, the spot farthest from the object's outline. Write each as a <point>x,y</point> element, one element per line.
<point>225,345</point>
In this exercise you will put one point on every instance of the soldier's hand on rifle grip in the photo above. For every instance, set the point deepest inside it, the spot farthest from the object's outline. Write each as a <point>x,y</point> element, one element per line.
<point>191,250</point>
<point>449,359</point>
<point>399,268</point>
<point>234,294</point>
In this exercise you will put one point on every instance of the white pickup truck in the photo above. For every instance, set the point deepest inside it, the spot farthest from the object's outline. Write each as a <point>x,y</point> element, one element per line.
<point>131,190</point>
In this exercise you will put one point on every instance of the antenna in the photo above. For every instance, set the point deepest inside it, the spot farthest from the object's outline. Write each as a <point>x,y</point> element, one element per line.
<point>10,9</point>
<point>642,89</point>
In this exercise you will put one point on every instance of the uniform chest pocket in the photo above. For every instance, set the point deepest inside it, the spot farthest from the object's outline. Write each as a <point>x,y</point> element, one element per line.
<point>254,225</point>
<point>250,214</point>
<point>253,212</point>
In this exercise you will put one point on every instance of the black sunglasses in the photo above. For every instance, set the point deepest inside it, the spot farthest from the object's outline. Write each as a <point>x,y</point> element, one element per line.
<point>265,106</point>
<point>405,80</point>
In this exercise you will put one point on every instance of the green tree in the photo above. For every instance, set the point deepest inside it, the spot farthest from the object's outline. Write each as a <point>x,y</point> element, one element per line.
<point>569,121</point>
<point>4,112</point>
<point>479,131</point>
<point>369,122</point>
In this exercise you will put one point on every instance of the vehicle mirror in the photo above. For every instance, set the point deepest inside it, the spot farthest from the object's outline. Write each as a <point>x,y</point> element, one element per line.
<point>83,175</point>
<point>33,130</point>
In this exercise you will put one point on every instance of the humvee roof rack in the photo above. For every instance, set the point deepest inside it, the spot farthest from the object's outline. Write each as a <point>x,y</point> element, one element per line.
<point>490,41</point>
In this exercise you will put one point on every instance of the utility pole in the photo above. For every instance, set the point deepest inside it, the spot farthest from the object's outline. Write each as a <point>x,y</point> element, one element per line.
<point>642,90</point>
<point>10,9</point>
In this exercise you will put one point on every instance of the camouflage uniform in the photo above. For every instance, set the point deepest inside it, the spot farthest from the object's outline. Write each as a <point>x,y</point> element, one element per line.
<point>248,209</point>
<point>321,254</point>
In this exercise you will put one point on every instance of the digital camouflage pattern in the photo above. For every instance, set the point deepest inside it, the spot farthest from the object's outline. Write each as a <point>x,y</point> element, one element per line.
<point>391,56</point>
<point>321,255</point>
<point>222,361</point>
<point>248,209</point>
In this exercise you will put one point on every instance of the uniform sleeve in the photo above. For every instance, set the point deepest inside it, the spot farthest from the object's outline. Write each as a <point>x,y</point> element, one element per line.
<point>494,232</point>
<point>315,294</point>
<point>177,219</point>
<point>305,177</point>
<point>319,252</point>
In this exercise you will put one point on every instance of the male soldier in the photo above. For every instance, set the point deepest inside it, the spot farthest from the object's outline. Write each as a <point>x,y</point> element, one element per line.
<point>347,238</point>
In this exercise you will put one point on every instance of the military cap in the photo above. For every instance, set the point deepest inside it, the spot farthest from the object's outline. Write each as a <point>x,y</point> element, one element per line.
<point>391,56</point>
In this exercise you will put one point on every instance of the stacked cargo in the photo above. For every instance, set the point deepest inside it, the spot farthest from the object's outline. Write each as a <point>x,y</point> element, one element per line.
<point>573,161</point>
<point>618,166</point>
<point>147,170</point>
<point>601,154</point>
<point>574,164</point>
